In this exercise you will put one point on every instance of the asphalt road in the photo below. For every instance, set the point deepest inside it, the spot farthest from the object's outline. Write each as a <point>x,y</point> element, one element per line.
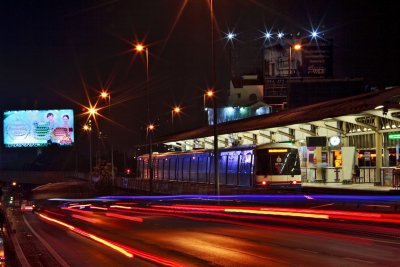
<point>163,232</point>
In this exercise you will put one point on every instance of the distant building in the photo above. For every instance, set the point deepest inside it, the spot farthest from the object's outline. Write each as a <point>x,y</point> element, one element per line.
<point>245,89</point>
<point>244,100</point>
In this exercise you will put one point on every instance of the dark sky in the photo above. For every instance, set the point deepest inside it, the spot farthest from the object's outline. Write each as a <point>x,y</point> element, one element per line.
<point>53,52</point>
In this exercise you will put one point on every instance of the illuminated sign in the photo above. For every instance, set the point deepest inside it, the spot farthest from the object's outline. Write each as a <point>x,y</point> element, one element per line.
<point>394,136</point>
<point>278,150</point>
<point>35,128</point>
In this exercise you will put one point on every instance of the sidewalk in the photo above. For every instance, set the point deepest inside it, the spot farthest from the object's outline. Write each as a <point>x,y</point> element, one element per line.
<point>339,188</point>
<point>363,186</point>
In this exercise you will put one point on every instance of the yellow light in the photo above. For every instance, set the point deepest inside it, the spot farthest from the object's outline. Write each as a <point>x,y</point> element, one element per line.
<point>92,111</point>
<point>279,150</point>
<point>210,93</point>
<point>297,46</point>
<point>104,94</point>
<point>111,245</point>
<point>177,109</point>
<point>151,127</point>
<point>86,127</point>
<point>280,213</point>
<point>139,47</point>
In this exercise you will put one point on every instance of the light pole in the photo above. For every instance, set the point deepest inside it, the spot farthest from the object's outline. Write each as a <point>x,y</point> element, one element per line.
<point>140,48</point>
<point>150,129</point>
<point>175,110</point>
<point>212,94</point>
<point>88,128</point>
<point>295,47</point>
<point>107,95</point>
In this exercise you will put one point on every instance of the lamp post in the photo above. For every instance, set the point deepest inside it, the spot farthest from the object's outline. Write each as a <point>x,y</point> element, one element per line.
<point>211,94</point>
<point>175,110</point>
<point>150,129</point>
<point>295,47</point>
<point>88,128</point>
<point>107,95</point>
<point>140,48</point>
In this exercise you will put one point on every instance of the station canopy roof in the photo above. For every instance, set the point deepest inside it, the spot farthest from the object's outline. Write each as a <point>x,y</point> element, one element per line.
<point>383,103</point>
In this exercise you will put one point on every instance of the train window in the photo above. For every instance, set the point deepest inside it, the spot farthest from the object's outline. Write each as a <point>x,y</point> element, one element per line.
<point>277,162</point>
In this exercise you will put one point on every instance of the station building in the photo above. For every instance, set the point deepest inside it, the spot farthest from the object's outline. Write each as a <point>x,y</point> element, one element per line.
<point>333,136</point>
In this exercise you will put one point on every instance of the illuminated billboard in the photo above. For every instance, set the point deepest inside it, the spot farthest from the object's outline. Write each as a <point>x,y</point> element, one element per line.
<point>35,128</point>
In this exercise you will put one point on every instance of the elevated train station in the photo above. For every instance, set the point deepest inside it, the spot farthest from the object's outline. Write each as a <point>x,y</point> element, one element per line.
<point>332,137</point>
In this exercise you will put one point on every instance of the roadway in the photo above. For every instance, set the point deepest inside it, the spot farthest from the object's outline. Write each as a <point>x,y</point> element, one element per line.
<point>187,232</point>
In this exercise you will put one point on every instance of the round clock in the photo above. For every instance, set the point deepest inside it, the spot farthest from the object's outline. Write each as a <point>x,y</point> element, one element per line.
<point>334,140</point>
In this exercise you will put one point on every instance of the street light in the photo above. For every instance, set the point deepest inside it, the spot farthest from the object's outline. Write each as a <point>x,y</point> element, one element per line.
<point>175,110</point>
<point>107,95</point>
<point>150,130</point>
<point>140,48</point>
<point>211,94</point>
<point>88,128</point>
<point>296,47</point>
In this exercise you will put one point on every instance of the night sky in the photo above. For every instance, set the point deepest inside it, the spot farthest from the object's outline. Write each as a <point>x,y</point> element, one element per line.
<point>55,54</point>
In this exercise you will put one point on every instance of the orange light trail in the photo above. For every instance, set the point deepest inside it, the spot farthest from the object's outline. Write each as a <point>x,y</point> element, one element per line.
<point>83,218</point>
<point>125,217</point>
<point>70,227</point>
<point>77,210</point>
<point>127,251</point>
<point>98,208</point>
<point>281,213</point>
<point>108,244</point>
<point>120,207</point>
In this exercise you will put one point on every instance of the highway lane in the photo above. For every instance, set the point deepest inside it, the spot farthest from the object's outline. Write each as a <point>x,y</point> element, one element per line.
<point>76,250</point>
<point>204,238</point>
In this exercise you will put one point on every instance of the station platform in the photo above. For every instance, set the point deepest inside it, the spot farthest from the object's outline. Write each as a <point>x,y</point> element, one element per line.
<point>361,187</point>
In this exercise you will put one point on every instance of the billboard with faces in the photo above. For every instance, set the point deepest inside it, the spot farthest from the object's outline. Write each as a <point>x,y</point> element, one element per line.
<point>36,128</point>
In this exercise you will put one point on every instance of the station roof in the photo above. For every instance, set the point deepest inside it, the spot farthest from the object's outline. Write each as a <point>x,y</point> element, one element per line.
<point>374,103</point>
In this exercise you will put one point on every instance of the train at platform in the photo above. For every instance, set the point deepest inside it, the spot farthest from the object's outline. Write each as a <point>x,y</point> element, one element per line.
<point>270,165</point>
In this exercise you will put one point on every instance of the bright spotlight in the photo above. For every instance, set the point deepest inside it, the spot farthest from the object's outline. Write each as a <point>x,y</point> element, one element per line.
<point>230,35</point>
<point>139,47</point>
<point>314,34</point>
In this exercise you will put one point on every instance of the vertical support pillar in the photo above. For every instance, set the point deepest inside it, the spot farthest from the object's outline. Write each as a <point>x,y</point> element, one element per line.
<point>378,146</point>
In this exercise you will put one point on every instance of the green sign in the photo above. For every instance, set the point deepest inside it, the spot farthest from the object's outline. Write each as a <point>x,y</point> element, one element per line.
<point>394,136</point>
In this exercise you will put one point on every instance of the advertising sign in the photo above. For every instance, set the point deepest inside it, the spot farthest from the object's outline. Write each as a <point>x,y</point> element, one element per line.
<point>313,60</point>
<point>317,59</point>
<point>35,128</point>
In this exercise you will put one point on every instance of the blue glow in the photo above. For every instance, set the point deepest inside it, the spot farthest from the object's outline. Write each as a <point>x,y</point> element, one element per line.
<point>280,35</point>
<point>229,110</point>
<point>259,197</point>
<point>230,35</point>
<point>268,35</point>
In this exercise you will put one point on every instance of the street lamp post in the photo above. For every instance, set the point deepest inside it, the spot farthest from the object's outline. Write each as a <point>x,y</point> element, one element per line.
<point>88,128</point>
<point>213,94</point>
<point>175,110</point>
<point>295,47</point>
<point>150,129</point>
<point>107,95</point>
<point>140,48</point>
